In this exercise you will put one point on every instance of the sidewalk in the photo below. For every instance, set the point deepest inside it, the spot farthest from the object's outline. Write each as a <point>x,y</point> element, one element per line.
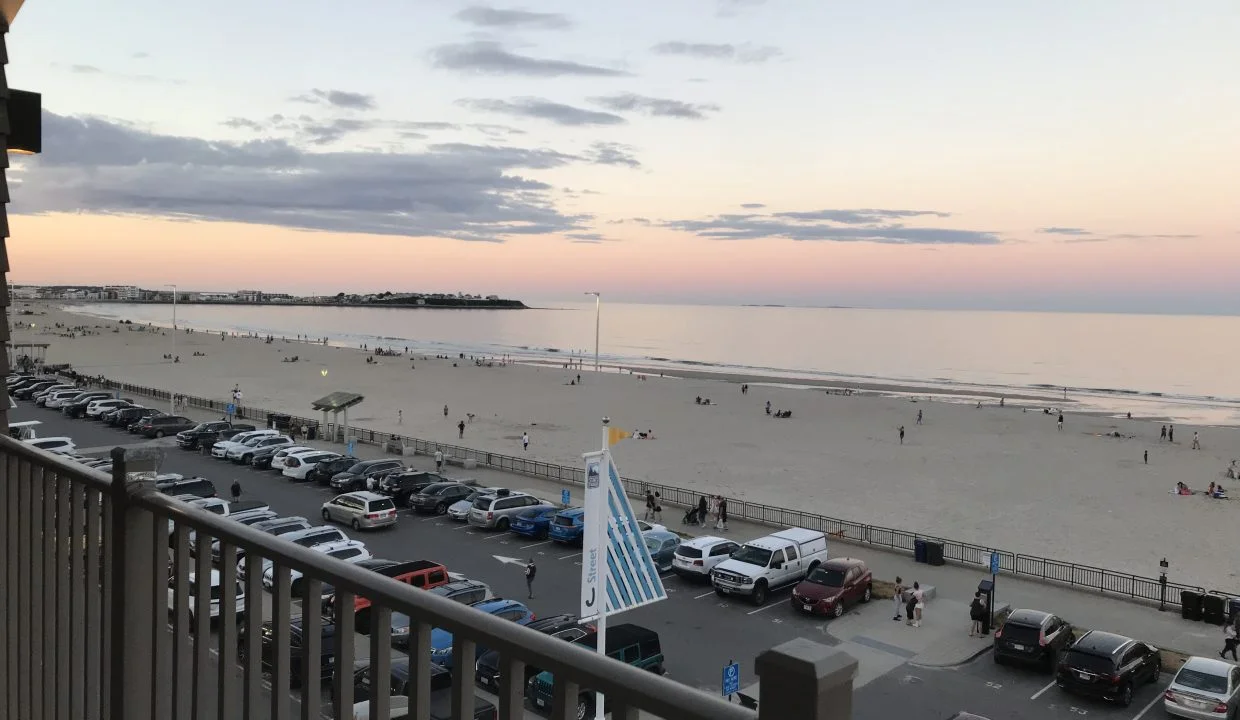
<point>955,585</point>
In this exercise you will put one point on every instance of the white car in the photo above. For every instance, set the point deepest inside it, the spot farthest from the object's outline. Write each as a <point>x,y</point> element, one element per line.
<point>59,398</point>
<point>1204,688</point>
<point>243,453</point>
<point>308,538</point>
<point>220,448</point>
<point>277,460</point>
<point>459,510</point>
<point>347,550</point>
<point>60,445</point>
<point>99,407</point>
<point>696,557</point>
<point>215,590</point>
<point>297,467</point>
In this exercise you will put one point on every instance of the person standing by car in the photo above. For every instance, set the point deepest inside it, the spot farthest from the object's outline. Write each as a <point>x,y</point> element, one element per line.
<point>530,571</point>
<point>236,490</point>
<point>977,613</point>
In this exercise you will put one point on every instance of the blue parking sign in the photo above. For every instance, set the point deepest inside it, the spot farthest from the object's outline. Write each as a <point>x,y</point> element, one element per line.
<point>994,563</point>
<point>565,497</point>
<point>231,409</point>
<point>731,679</point>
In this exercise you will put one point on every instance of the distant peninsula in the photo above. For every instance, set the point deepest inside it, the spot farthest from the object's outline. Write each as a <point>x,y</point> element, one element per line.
<point>129,294</point>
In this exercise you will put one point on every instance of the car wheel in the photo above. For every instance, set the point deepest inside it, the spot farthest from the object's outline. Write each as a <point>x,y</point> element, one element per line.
<point>759,593</point>
<point>159,433</point>
<point>1125,695</point>
<point>584,707</point>
<point>1157,671</point>
<point>327,516</point>
<point>501,524</point>
<point>542,534</point>
<point>720,593</point>
<point>838,610</point>
<point>356,525</point>
<point>441,508</point>
<point>869,593</point>
<point>247,459</point>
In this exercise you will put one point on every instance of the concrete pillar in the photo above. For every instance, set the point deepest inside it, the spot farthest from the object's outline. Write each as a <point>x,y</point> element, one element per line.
<point>345,435</point>
<point>4,215</point>
<point>323,428</point>
<point>805,680</point>
<point>135,583</point>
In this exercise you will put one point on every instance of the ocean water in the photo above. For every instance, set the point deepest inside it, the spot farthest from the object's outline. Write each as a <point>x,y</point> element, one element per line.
<point>1184,368</point>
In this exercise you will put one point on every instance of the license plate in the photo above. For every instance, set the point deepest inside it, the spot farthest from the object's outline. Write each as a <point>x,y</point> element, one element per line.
<point>1022,648</point>
<point>539,703</point>
<point>1197,704</point>
<point>1083,676</point>
<point>808,608</point>
<point>486,681</point>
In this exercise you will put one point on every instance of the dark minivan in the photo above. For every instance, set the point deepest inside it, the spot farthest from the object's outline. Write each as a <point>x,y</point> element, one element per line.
<point>363,474</point>
<point>438,497</point>
<point>157,427</point>
<point>1032,637</point>
<point>325,471</point>
<point>628,643</point>
<point>1108,666</point>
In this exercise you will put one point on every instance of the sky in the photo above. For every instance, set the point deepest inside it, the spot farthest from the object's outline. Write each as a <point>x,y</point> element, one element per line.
<point>1051,155</point>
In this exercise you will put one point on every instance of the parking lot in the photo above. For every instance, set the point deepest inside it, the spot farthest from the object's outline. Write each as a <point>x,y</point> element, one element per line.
<point>700,631</point>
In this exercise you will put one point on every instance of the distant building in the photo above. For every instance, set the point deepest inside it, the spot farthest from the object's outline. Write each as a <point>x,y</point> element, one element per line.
<point>249,295</point>
<point>214,297</point>
<point>26,292</point>
<point>122,292</point>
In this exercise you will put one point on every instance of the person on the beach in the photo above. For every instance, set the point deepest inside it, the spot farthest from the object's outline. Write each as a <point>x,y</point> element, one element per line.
<point>1163,436</point>
<point>460,429</point>
<point>1147,457</point>
<point>438,460</point>
<point>400,416</point>
<point>1059,424</point>
<point>897,597</point>
<point>1170,433</point>
<point>918,417</point>
<point>1196,441</point>
<point>525,441</point>
<point>768,407</point>
<point>445,411</point>
<point>901,434</point>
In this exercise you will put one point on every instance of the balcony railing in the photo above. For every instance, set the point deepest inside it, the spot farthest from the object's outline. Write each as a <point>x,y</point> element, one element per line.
<point>101,617</point>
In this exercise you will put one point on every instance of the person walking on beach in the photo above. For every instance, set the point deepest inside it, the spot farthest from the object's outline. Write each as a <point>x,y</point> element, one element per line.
<point>1170,433</point>
<point>1059,424</point>
<point>445,411</point>
<point>901,434</point>
<point>977,613</point>
<point>530,571</point>
<point>918,417</point>
<point>1196,441</point>
<point>1147,457</point>
<point>768,407</point>
<point>460,430</point>
<point>1163,436</point>
<point>897,597</point>
<point>525,441</point>
<point>438,460</point>
<point>236,490</point>
<point>400,416</point>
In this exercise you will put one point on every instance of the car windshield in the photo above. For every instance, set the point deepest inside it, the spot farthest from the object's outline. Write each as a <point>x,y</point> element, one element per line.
<point>1205,682</point>
<point>652,544</point>
<point>689,552</point>
<point>753,555</point>
<point>1085,661</point>
<point>829,577</point>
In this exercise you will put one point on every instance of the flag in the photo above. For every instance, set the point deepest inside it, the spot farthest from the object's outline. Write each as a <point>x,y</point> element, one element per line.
<point>615,435</point>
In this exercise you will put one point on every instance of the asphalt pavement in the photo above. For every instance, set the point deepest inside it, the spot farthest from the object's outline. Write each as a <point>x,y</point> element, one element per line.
<point>700,632</point>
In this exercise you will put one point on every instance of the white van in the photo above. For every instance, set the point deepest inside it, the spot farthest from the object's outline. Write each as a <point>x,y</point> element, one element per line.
<point>776,560</point>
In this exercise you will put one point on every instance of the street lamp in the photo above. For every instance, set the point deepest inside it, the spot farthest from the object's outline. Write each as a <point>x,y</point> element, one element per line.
<point>172,395</point>
<point>598,299</point>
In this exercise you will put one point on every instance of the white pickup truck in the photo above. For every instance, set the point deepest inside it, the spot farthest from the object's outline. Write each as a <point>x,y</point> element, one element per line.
<point>776,560</point>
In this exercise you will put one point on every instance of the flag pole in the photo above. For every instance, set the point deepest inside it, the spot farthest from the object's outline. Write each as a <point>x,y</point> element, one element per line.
<point>600,527</point>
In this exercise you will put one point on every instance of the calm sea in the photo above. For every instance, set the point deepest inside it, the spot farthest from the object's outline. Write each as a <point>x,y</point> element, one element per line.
<point>1180,367</point>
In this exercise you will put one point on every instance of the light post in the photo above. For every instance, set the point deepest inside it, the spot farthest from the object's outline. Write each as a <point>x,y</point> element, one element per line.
<point>598,299</point>
<point>172,395</point>
<point>1162,584</point>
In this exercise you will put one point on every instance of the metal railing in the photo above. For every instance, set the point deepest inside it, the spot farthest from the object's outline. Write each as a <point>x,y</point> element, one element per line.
<point>1084,577</point>
<point>104,617</point>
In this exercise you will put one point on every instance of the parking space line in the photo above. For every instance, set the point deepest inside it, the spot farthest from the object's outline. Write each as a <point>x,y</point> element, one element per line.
<point>495,535</point>
<point>463,527</point>
<point>1146,709</point>
<point>565,557</point>
<point>1038,694</point>
<point>526,547</point>
<point>767,606</point>
<point>699,597</point>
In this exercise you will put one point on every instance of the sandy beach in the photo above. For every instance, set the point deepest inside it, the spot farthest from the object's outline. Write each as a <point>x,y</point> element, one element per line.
<point>995,476</point>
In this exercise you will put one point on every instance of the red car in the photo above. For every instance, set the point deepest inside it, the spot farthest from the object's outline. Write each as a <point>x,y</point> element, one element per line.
<point>834,586</point>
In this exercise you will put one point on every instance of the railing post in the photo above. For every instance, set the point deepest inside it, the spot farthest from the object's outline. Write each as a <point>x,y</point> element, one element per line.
<point>133,586</point>
<point>805,680</point>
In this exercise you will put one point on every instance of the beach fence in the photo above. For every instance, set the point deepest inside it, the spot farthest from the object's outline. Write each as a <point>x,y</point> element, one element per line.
<point>925,548</point>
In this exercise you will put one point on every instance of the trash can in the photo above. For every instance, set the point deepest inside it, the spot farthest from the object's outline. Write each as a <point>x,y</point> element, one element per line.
<point>987,589</point>
<point>1190,604</point>
<point>934,552</point>
<point>312,432</point>
<point>1213,608</point>
<point>919,550</point>
<point>1233,607</point>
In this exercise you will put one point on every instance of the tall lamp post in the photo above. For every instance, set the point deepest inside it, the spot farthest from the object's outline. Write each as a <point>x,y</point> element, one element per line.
<point>172,395</point>
<point>22,133</point>
<point>598,300</point>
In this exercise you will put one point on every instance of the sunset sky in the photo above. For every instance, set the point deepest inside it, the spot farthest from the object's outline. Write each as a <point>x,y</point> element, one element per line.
<point>1053,155</point>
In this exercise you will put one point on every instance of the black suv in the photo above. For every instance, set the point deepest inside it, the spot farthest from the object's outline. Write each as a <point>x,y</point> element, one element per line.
<point>1032,637</point>
<point>77,407</point>
<point>161,425</point>
<point>131,415</point>
<point>438,497</point>
<point>324,471</point>
<point>206,434</point>
<point>199,486</point>
<point>565,627</point>
<point>1108,666</point>
<point>327,648</point>
<point>401,486</point>
<point>363,473</point>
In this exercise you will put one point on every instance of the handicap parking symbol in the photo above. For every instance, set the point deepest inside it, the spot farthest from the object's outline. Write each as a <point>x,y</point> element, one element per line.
<point>731,679</point>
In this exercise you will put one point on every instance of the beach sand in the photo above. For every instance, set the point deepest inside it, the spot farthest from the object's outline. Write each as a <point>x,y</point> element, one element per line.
<point>996,477</point>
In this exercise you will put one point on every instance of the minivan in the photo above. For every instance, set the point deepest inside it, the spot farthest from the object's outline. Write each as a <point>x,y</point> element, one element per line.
<point>496,511</point>
<point>361,510</point>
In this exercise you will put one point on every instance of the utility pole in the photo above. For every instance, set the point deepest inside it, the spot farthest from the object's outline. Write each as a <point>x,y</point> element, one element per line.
<point>597,307</point>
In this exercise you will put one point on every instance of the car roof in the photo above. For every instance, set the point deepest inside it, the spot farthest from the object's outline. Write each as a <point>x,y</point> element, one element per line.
<point>458,586</point>
<point>1208,666</point>
<point>843,563</point>
<point>366,495</point>
<point>704,541</point>
<point>572,512</point>
<point>1028,617</point>
<point>553,623</point>
<point>661,535</point>
<point>495,605</point>
<point>1097,642</point>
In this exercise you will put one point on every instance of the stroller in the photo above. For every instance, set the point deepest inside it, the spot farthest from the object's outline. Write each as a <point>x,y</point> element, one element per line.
<point>691,517</point>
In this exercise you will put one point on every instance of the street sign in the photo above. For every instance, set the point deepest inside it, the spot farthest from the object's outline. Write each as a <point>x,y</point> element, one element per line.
<point>994,563</point>
<point>231,409</point>
<point>731,679</point>
<point>565,497</point>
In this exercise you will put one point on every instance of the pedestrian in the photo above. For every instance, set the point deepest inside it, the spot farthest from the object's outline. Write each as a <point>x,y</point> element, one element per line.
<point>400,416</point>
<point>768,407</point>
<point>460,429</point>
<point>236,490</point>
<point>649,506</point>
<point>1147,457</point>
<point>703,511</point>
<point>445,411</point>
<point>1196,441</point>
<point>530,571</point>
<point>901,434</point>
<point>525,441</point>
<point>919,604</point>
<point>897,597</point>
<point>918,417</point>
<point>658,507</point>
<point>722,523</point>
<point>910,604</point>
<point>977,613</point>
<point>1163,435</point>
<point>438,460</point>
<point>1231,637</point>
<point>1059,425</point>
<point>1171,433</point>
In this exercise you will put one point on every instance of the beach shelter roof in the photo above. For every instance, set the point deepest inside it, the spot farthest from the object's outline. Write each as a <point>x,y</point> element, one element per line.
<point>337,401</point>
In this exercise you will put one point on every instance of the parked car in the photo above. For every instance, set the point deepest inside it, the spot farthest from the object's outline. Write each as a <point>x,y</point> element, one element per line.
<point>96,408</point>
<point>1032,637</point>
<point>364,475</point>
<point>197,486</point>
<point>28,391</point>
<point>564,627</point>
<point>298,467</point>
<point>423,574</point>
<point>696,557</point>
<point>441,640</point>
<point>262,457</point>
<point>361,510</point>
<point>242,454</point>
<point>568,526</point>
<point>497,511</point>
<point>323,472</point>
<point>466,592</point>
<point>206,433</point>
<point>327,647</point>
<point>441,682</point>
<point>160,425</point>
<point>438,497</point>
<point>833,587</point>
<point>346,550</point>
<point>56,401</point>
<point>277,461</point>
<point>76,407</point>
<point>1204,688</point>
<point>404,484</point>
<point>220,448</point>
<point>661,545</point>
<point>125,417</point>
<point>459,510</point>
<point>534,523</point>
<point>776,560</point>
<point>628,643</point>
<point>215,590</point>
<point>1108,666</point>
<point>308,538</point>
<point>274,526</point>
<point>59,445</point>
